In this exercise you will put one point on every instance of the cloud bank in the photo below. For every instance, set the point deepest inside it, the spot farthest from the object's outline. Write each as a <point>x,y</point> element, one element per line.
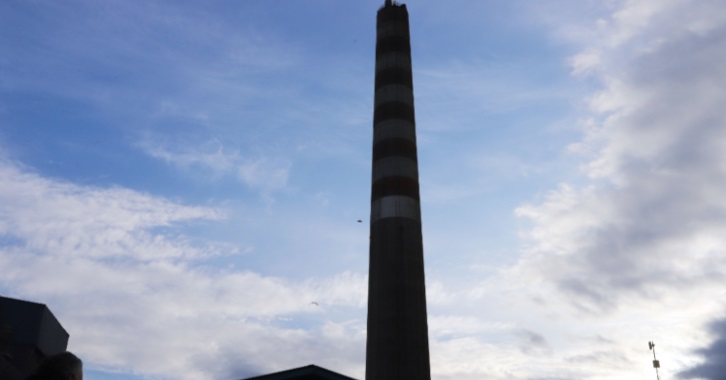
<point>643,231</point>
<point>137,295</point>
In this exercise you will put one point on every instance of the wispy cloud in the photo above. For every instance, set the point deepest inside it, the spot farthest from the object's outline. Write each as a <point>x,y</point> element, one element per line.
<point>208,157</point>
<point>109,51</point>
<point>75,221</point>
<point>263,173</point>
<point>113,266</point>
<point>211,159</point>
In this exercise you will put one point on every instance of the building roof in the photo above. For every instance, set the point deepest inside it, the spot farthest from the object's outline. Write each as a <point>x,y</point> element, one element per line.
<point>310,372</point>
<point>32,323</point>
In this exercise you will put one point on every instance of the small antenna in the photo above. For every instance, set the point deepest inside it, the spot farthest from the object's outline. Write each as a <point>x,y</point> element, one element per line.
<point>656,363</point>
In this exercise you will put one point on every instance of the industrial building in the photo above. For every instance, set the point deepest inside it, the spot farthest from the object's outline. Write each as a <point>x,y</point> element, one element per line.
<point>311,372</point>
<point>29,332</point>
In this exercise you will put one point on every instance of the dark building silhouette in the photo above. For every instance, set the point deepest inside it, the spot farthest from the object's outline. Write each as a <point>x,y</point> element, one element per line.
<point>28,334</point>
<point>311,372</point>
<point>397,346</point>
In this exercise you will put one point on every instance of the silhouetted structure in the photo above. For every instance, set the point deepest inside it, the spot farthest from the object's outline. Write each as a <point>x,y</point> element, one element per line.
<point>656,362</point>
<point>311,372</point>
<point>28,333</point>
<point>397,346</point>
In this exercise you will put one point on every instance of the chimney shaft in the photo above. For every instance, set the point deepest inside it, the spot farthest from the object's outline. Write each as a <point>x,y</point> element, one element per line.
<point>397,347</point>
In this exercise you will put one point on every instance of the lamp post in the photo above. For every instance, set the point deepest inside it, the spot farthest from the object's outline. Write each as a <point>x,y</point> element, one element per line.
<point>656,363</point>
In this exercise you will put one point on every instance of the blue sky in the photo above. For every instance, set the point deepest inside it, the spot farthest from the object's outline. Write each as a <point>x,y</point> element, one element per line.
<point>180,181</point>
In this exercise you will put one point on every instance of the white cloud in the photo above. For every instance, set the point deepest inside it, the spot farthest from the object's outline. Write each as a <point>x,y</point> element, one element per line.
<point>136,295</point>
<point>76,221</point>
<point>211,158</point>
<point>642,243</point>
<point>266,174</point>
<point>585,62</point>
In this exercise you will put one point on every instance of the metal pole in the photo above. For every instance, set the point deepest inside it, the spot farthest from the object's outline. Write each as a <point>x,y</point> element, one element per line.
<point>656,363</point>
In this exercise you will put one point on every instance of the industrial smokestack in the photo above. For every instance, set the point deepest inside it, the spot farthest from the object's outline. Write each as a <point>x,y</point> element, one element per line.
<point>397,347</point>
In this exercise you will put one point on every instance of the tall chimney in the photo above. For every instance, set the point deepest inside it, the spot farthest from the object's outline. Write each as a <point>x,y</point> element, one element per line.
<point>397,347</point>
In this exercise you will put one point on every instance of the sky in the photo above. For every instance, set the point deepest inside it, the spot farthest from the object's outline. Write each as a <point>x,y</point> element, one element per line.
<point>181,184</point>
